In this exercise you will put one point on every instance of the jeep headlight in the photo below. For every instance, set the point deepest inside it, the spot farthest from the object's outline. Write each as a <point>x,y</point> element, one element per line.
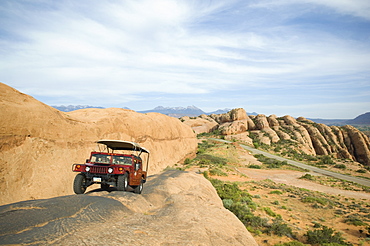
<point>110,170</point>
<point>87,169</point>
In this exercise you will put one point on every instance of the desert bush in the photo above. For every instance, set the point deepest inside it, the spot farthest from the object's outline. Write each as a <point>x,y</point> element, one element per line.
<point>354,220</point>
<point>278,227</point>
<point>269,212</point>
<point>204,145</point>
<point>277,192</point>
<point>255,222</point>
<point>169,168</point>
<point>206,174</point>
<point>228,190</point>
<point>310,199</point>
<point>276,202</point>
<point>254,166</point>
<point>361,171</point>
<point>206,159</point>
<point>340,166</point>
<point>270,162</point>
<point>325,236</point>
<point>217,172</point>
<point>307,176</point>
<point>326,159</point>
<point>227,203</point>
<point>216,132</point>
<point>292,243</point>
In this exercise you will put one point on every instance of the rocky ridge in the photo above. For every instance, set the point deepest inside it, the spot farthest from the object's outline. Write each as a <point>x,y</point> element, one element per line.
<point>305,135</point>
<point>38,144</point>
<point>176,208</point>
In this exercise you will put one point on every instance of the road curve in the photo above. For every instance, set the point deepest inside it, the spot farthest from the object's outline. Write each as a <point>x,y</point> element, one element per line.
<point>357,180</point>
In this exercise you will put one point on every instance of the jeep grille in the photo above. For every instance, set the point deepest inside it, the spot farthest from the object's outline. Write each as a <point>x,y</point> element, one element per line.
<point>98,169</point>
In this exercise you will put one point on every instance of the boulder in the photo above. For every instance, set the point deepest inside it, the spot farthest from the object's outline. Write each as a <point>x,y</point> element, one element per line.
<point>202,124</point>
<point>261,122</point>
<point>360,144</point>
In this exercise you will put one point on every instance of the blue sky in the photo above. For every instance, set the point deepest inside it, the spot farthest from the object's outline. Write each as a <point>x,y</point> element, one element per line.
<point>306,58</point>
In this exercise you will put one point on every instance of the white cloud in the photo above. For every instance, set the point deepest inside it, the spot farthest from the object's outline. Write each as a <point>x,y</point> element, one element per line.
<point>177,47</point>
<point>359,8</point>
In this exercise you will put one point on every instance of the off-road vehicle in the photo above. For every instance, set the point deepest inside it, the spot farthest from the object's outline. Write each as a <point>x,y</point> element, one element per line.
<point>105,167</point>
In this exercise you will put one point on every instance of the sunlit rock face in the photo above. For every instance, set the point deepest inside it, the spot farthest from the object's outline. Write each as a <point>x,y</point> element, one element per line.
<point>38,144</point>
<point>304,135</point>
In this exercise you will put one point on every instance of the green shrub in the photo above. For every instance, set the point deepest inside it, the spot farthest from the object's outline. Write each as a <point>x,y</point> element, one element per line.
<point>278,227</point>
<point>227,190</point>
<point>326,159</point>
<point>340,166</point>
<point>269,212</point>
<point>206,174</point>
<point>227,203</point>
<point>217,172</point>
<point>254,166</point>
<point>270,162</point>
<point>361,171</point>
<point>203,146</point>
<point>310,199</point>
<point>307,176</point>
<point>276,202</point>
<point>292,243</point>
<point>354,220</point>
<point>277,192</point>
<point>207,159</point>
<point>324,236</point>
<point>254,221</point>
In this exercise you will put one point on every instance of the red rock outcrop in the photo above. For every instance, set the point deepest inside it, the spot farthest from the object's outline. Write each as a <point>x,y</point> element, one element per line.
<point>307,136</point>
<point>201,124</point>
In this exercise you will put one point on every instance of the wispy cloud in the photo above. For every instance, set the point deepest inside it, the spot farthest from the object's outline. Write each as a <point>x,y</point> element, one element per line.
<point>111,53</point>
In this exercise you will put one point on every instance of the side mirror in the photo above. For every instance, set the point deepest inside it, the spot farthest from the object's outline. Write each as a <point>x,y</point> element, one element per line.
<point>87,160</point>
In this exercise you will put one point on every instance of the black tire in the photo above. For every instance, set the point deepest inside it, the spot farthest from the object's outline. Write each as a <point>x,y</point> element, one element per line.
<point>138,189</point>
<point>79,184</point>
<point>122,182</point>
<point>104,186</point>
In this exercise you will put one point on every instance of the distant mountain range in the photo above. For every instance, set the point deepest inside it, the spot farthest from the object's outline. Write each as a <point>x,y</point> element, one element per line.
<point>190,111</point>
<point>70,108</point>
<point>363,119</point>
<point>193,111</point>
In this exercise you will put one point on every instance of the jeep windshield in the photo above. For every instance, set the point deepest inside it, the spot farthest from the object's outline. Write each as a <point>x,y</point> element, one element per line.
<point>100,158</point>
<point>106,159</point>
<point>122,160</point>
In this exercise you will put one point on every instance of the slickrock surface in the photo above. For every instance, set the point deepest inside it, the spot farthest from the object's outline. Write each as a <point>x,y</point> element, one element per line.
<point>175,208</point>
<point>39,144</point>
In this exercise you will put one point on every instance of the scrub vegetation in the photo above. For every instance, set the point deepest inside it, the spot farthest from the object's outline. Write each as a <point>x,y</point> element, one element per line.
<point>278,214</point>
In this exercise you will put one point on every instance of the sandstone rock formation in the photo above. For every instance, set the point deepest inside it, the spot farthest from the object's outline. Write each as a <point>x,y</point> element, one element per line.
<point>200,124</point>
<point>38,144</point>
<point>176,208</point>
<point>303,135</point>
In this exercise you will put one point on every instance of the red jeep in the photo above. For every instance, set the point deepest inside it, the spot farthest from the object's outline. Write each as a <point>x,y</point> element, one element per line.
<point>107,168</point>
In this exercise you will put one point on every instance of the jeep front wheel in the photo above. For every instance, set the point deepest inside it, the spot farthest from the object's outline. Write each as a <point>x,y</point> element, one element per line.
<point>79,184</point>
<point>138,189</point>
<point>104,186</point>
<point>122,182</point>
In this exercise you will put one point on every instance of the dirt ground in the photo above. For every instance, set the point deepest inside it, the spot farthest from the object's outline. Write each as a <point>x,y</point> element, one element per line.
<point>298,215</point>
<point>288,177</point>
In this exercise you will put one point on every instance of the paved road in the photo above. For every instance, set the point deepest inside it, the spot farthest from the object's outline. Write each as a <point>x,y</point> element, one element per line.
<point>357,180</point>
